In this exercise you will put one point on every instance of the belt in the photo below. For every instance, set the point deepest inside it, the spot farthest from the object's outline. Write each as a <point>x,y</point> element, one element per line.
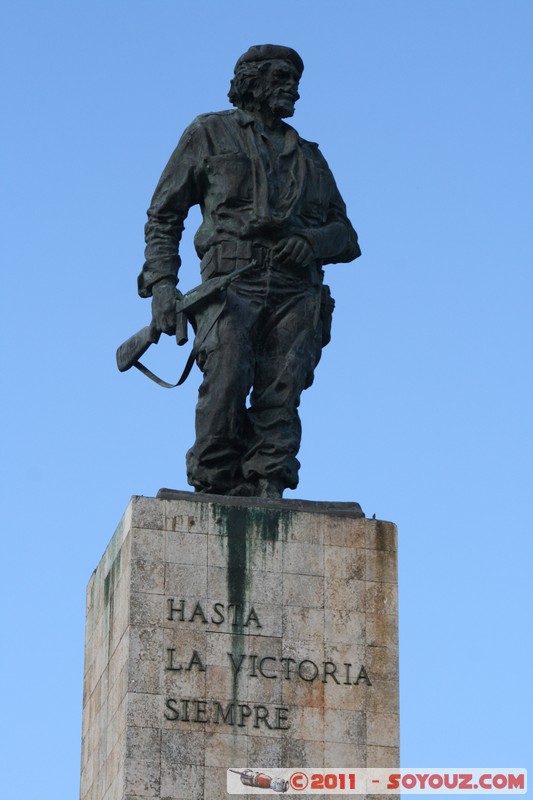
<point>224,258</point>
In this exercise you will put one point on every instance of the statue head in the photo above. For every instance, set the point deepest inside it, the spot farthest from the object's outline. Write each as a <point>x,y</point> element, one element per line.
<point>267,77</point>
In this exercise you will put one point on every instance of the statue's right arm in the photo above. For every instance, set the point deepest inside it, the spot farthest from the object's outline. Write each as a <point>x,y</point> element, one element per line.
<point>177,190</point>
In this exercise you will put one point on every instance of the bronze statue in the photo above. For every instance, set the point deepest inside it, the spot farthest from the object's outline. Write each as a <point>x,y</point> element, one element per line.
<point>270,209</point>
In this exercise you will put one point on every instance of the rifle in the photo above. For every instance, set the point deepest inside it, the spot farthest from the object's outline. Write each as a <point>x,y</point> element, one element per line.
<point>130,351</point>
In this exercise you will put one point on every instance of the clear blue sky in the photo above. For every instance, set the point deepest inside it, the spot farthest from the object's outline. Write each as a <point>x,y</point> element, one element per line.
<point>421,408</point>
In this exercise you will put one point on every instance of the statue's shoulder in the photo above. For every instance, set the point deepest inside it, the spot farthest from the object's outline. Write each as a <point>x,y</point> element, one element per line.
<point>313,154</point>
<point>213,118</point>
<point>310,149</point>
<point>211,125</point>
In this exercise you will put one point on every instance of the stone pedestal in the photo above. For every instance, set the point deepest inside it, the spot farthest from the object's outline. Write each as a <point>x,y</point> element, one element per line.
<point>228,633</point>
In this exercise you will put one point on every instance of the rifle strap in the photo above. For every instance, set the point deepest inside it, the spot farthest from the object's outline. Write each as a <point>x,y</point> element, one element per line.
<point>160,381</point>
<point>190,361</point>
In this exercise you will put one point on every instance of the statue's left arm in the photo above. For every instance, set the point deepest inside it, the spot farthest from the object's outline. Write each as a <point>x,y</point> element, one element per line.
<point>335,240</point>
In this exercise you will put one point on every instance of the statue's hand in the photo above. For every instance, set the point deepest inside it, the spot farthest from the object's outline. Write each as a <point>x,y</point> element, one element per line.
<point>294,250</point>
<point>164,306</point>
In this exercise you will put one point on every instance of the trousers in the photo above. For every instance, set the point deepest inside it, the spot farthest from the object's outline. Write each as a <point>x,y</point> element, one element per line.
<point>256,359</point>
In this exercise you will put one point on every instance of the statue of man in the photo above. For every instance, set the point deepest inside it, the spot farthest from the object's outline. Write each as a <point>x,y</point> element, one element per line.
<point>267,196</point>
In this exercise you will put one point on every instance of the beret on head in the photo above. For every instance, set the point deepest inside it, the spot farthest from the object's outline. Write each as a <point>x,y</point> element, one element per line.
<point>267,52</point>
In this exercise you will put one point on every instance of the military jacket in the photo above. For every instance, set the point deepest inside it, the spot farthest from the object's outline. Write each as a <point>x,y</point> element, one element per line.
<point>251,195</point>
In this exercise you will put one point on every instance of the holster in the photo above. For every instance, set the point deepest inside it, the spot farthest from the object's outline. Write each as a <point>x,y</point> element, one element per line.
<point>327,305</point>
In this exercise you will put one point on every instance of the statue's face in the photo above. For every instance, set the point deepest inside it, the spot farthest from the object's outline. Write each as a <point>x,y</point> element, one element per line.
<point>281,88</point>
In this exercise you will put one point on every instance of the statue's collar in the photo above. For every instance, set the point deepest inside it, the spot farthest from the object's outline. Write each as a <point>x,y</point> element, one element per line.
<point>246,118</point>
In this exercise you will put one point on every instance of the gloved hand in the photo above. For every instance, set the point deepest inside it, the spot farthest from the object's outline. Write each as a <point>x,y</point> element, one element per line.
<point>294,250</point>
<point>164,305</point>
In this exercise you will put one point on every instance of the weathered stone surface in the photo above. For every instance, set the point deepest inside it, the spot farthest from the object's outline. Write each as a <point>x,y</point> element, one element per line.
<point>227,635</point>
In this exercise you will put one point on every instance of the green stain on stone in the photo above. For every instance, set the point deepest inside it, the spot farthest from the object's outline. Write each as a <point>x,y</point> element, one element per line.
<point>247,530</point>
<point>110,582</point>
<point>236,525</point>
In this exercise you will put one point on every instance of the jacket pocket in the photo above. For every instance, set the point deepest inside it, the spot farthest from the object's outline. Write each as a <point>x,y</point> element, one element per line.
<point>229,177</point>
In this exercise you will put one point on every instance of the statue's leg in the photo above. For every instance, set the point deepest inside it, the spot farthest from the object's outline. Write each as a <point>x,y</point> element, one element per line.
<point>285,359</point>
<point>226,358</point>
